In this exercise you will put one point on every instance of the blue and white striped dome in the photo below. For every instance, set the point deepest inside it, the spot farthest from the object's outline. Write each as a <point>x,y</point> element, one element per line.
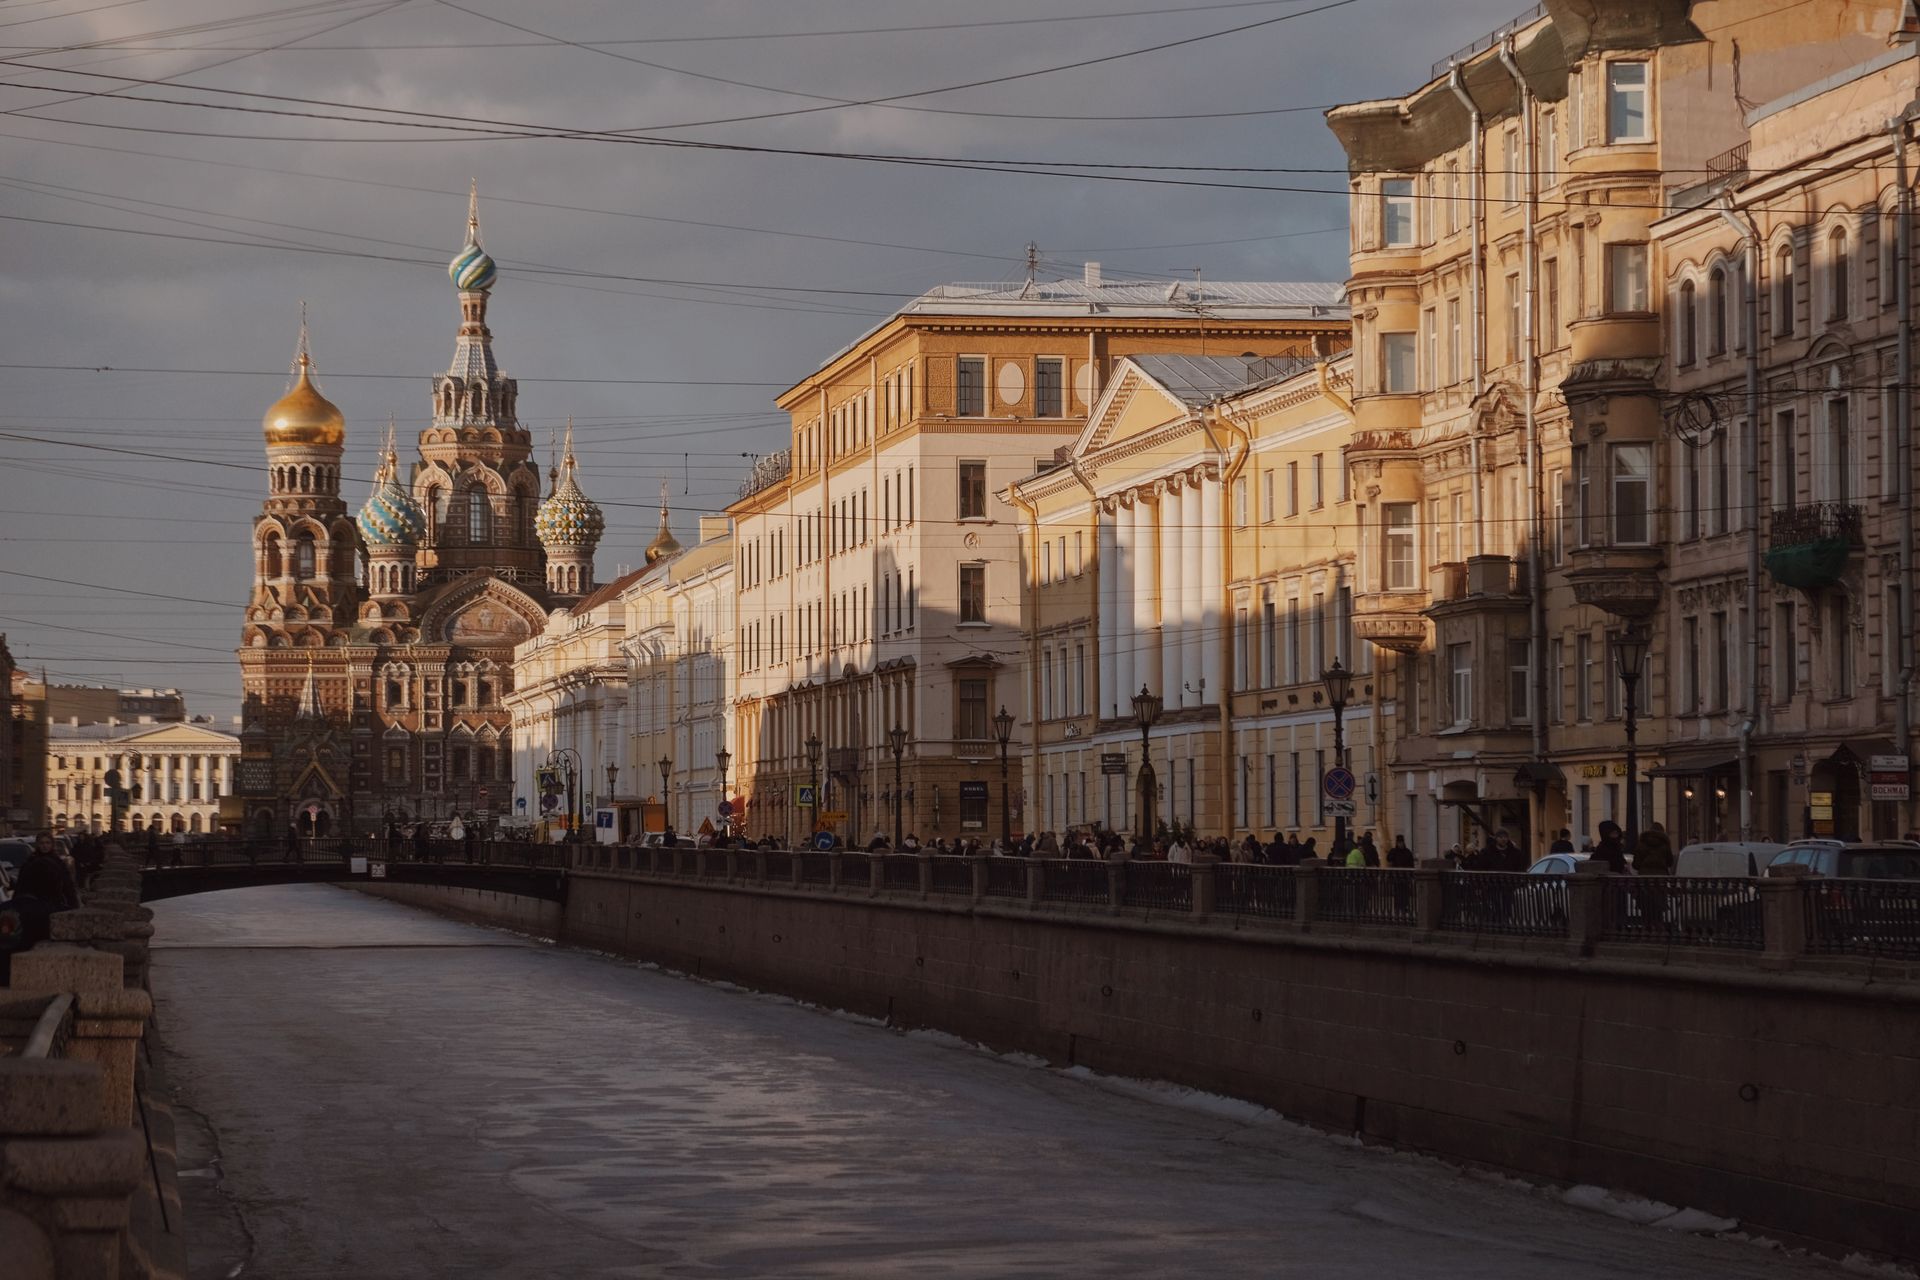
<point>391,518</point>
<point>471,268</point>
<point>568,518</point>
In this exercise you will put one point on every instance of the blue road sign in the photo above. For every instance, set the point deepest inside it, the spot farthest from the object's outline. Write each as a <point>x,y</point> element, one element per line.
<point>1338,783</point>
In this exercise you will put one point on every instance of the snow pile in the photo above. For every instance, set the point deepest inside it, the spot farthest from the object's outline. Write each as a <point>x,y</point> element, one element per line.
<point>1646,1213</point>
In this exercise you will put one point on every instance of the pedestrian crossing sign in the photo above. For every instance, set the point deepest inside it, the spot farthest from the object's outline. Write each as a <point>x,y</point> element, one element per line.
<point>803,796</point>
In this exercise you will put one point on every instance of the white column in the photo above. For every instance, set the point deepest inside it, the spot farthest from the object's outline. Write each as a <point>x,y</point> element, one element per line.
<point>1173,599</point>
<point>1209,590</point>
<point>1106,566</point>
<point>226,775</point>
<point>1147,597</point>
<point>1194,632</point>
<point>1126,598</point>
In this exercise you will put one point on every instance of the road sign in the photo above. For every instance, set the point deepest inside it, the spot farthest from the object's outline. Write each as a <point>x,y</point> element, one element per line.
<point>483,795</point>
<point>1373,788</point>
<point>377,870</point>
<point>823,840</point>
<point>803,795</point>
<point>1338,808</point>
<point>1113,762</point>
<point>1338,783</point>
<point>832,816</point>
<point>1889,777</point>
<point>724,808</point>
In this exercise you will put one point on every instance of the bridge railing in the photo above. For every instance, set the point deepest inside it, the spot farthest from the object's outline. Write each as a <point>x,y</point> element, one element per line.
<point>1783,918</point>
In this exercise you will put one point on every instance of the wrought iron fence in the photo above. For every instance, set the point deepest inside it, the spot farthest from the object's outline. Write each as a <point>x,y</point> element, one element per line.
<point>953,876</point>
<point>1078,880</point>
<point>815,867</point>
<point>1503,902</point>
<point>1695,911</point>
<point>779,865</point>
<point>1365,895</point>
<point>900,872</point>
<point>1816,522</point>
<point>1247,889</point>
<point>713,864</point>
<point>1006,877</point>
<point>1157,886</point>
<point>856,870</point>
<point>1863,917</point>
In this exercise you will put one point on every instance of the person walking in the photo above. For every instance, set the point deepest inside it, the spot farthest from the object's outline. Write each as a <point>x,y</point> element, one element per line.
<point>1562,843</point>
<point>1369,852</point>
<point>1653,853</point>
<point>1610,850</point>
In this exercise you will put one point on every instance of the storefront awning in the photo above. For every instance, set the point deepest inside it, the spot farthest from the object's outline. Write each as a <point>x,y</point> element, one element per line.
<point>1696,766</point>
<point>1858,751</point>
<point>1538,773</point>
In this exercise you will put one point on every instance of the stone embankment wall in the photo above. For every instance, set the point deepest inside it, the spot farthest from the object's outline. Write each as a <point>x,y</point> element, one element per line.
<point>1790,1101</point>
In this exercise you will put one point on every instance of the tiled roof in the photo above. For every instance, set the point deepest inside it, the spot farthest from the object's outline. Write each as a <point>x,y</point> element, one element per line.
<point>1199,380</point>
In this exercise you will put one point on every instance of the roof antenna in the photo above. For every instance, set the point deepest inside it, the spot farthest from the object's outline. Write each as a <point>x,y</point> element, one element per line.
<point>686,473</point>
<point>553,456</point>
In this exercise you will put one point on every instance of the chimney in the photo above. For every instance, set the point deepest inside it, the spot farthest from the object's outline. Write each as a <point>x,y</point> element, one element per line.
<point>1093,275</point>
<point>712,527</point>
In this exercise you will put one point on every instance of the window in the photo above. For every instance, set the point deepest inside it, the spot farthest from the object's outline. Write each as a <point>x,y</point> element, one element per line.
<point>1396,212</point>
<point>1048,383</point>
<point>973,593</point>
<point>1046,561</point>
<point>1079,552</point>
<point>1717,311</point>
<point>1400,573</point>
<point>1689,696</point>
<point>460,767</point>
<point>1456,350</point>
<point>1240,500</point>
<point>1719,479</point>
<point>1549,148</point>
<point>1690,490</point>
<point>1839,459</point>
<point>1557,674</point>
<point>1519,682</point>
<point>1839,646</point>
<point>1583,677</point>
<point>479,519</point>
<point>1632,494</point>
<point>1293,488</point>
<point>1459,685</point>
<point>1515,301</point>
<point>1627,102</point>
<point>1719,646</point>
<point>1576,120</point>
<point>1510,163</point>
<point>1782,646</point>
<point>970,387</point>
<point>303,558</point>
<point>1557,485</point>
<point>971,723</point>
<point>1266,494</point>
<point>1453,196</point>
<point>1784,460</point>
<point>1296,670</point>
<point>1242,637</point>
<point>1550,322</point>
<point>1626,278</point>
<point>973,490</point>
<point>396,694</point>
<point>396,764</point>
<point>1398,376</point>
<point>1783,290</point>
<point>1839,275</point>
<point>1687,319</point>
<point>1316,481</point>
<point>1270,639</point>
<point>1430,350</point>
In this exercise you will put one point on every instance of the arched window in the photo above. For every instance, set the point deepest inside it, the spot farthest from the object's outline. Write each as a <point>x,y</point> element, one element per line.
<point>396,694</point>
<point>436,512</point>
<point>1889,258</point>
<point>1783,289</point>
<point>479,518</point>
<point>1717,310</point>
<point>1840,294</point>
<point>193,824</point>
<point>457,693</point>
<point>275,565</point>
<point>303,556</point>
<point>486,693</point>
<point>1689,325</point>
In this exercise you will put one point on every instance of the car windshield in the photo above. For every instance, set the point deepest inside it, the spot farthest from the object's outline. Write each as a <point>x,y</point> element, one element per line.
<point>15,852</point>
<point>1880,864</point>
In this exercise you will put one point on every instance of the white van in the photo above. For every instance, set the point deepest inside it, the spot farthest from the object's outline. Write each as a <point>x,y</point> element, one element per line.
<point>1726,858</point>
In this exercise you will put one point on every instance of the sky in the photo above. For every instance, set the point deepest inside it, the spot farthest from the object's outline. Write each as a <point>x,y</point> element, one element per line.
<point>172,191</point>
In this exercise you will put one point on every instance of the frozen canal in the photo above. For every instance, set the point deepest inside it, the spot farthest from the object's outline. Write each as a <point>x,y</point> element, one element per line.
<point>365,1090</point>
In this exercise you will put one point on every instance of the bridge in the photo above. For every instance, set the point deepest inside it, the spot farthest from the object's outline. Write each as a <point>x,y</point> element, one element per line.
<point>531,871</point>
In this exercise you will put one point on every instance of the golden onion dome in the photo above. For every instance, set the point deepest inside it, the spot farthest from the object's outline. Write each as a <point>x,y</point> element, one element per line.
<point>303,416</point>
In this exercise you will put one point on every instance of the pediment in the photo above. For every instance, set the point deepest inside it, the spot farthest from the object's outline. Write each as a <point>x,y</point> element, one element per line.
<point>1132,405</point>
<point>483,612</point>
<point>176,735</point>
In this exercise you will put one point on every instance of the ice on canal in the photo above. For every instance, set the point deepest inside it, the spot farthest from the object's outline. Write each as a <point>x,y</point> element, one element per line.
<point>364,1089</point>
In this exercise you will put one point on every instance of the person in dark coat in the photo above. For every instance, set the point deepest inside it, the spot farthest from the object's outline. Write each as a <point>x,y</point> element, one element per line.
<point>1563,843</point>
<point>1653,852</point>
<point>420,846</point>
<point>1369,852</point>
<point>1400,855</point>
<point>1611,850</point>
<point>50,874</point>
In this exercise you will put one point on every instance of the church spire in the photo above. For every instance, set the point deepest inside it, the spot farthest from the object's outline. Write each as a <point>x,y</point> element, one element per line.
<point>309,696</point>
<point>664,543</point>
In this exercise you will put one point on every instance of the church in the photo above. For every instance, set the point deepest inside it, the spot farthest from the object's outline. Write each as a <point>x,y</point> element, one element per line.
<point>377,651</point>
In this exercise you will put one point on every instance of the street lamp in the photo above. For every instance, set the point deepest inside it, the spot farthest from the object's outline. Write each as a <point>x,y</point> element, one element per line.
<point>1339,683</point>
<point>1146,710</point>
<point>1003,730</point>
<point>567,760</point>
<point>1630,651</point>
<point>897,739</point>
<point>613,771</point>
<point>813,782</point>
<point>723,758</point>
<point>666,797</point>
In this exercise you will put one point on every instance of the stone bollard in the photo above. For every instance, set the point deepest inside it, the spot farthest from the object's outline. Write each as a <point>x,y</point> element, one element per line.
<point>979,877</point>
<point>926,875</point>
<point>1036,881</point>
<point>1117,881</point>
<point>1783,914</point>
<point>1306,892</point>
<point>1429,895</point>
<point>1587,906</point>
<point>109,1019</point>
<point>68,1164</point>
<point>1201,875</point>
<point>796,868</point>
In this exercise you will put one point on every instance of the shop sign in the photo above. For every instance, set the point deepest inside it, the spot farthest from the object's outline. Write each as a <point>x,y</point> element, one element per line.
<point>1888,777</point>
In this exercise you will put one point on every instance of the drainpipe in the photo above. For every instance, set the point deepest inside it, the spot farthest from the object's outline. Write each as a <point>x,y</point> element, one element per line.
<point>1530,388</point>
<point>1029,777</point>
<point>1477,159</point>
<point>1744,224</point>
<point>1903,427</point>
<point>1233,455</point>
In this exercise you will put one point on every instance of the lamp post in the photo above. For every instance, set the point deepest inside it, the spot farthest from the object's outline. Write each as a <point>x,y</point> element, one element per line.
<point>723,758</point>
<point>1146,710</point>
<point>1631,653</point>
<point>813,781</point>
<point>567,760</point>
<point>1003,731</point>
<point>666,796</point>
<point>1339,683</point>
<point>897,739</point>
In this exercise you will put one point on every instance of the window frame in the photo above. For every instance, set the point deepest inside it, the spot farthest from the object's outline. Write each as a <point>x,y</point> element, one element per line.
<point>1397,207</point>
<point>1621,94</point>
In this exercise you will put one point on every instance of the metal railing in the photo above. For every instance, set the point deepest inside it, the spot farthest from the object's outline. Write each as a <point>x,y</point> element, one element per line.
<point>900,872</point>
<point>1077,880</point>
<point>1006,878</point>
<point>1863,917</point>
<point>1816,522</point>
<point>1157,886</point>
<point>1243,889</point>
<point>815,867</point>
<point>856,870</point>
<point>1699,911</point>
<point>1503,902</point>
<point>952,876</point>
<point>1488,40</point>
<point>1365,895</point>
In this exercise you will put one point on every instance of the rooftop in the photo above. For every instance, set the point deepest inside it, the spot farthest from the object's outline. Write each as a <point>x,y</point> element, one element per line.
<point>1199,380</point>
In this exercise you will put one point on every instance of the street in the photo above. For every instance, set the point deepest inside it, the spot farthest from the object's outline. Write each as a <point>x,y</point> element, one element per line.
<point>366,1090</point>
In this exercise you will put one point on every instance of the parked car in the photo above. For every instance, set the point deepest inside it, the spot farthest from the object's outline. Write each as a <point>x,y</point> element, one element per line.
<point>1726,858</point>
<point>1545,902</point>
<point>1882,860</point>
<point>14,853</point>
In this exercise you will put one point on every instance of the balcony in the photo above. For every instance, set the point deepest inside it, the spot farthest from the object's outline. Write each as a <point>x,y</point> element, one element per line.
<point>1392,620</point>
<point>1624,581</point>
<point>1808,546</point>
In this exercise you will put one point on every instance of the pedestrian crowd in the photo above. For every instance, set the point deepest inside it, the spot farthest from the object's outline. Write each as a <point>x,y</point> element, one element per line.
<point>47,883</point>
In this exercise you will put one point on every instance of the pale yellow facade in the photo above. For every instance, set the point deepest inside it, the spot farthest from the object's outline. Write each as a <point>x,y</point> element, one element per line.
<point>1212,494</point>
<point>176,773</point>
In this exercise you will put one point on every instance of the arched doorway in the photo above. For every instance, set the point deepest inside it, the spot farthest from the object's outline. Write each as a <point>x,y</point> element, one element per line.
<point>312,821</point>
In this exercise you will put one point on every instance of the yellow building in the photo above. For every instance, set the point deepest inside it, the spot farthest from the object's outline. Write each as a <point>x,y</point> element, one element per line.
<point>1510,411</point>
<point>879,581</point>
<point>1214,493</point>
